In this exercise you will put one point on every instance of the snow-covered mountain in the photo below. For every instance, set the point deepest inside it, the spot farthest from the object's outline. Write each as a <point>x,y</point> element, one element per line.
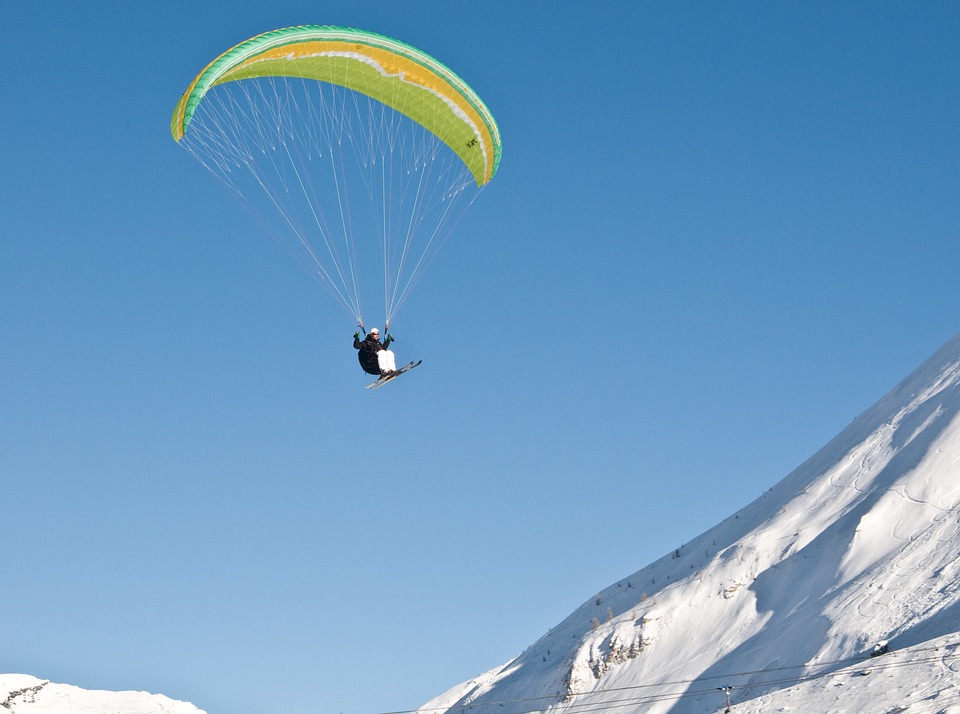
<point>836,591</point>
<point>23,694</point>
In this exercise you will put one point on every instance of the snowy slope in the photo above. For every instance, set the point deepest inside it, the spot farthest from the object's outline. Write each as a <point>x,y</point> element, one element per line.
<point>23,694</point>
<point>786,600</point>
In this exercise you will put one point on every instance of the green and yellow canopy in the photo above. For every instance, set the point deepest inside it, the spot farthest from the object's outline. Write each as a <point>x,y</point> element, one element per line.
<point>392,72</point>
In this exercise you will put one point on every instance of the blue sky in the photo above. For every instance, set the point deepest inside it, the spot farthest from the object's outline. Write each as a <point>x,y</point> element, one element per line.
<point>719,232</point>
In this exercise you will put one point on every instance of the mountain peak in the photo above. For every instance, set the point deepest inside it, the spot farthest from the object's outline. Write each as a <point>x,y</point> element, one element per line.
<point>850,556</point>
<point>24,694</point>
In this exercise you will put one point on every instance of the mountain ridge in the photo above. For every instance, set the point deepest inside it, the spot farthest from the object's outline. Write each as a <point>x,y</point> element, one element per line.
<point>851,553</point>
<point>26,694</point>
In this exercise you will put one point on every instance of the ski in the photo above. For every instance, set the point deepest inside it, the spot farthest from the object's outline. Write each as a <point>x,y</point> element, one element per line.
<point>396,373</point>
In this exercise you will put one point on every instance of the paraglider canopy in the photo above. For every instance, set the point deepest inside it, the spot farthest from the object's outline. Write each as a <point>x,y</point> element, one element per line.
<point>392,72</point>
<point>357,152</point>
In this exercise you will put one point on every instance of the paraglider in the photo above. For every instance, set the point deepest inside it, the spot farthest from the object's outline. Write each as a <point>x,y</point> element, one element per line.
<point>375,357</point>
<point>352,149</point>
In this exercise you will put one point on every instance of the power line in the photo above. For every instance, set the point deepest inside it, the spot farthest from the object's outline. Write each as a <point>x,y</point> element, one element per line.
<point>585,707</point>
